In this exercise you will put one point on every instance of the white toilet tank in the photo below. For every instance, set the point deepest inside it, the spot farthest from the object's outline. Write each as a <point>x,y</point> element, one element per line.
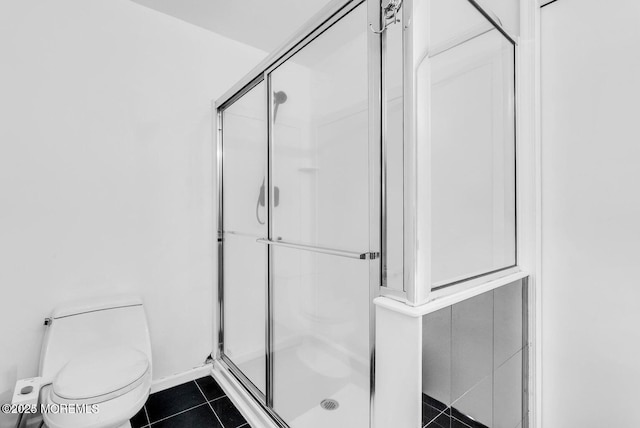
<point>90,325</point>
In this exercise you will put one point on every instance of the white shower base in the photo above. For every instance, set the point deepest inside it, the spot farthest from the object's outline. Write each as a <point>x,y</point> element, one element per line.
<point>307,373</point>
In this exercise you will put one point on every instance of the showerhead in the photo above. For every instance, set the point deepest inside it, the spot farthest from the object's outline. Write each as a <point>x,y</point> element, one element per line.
<point>279,97</point>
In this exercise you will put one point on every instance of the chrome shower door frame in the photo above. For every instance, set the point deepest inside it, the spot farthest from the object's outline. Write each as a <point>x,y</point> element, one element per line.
<point>323,21</point>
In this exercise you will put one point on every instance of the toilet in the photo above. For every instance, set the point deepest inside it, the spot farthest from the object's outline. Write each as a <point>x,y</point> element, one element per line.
<point>97,356</point>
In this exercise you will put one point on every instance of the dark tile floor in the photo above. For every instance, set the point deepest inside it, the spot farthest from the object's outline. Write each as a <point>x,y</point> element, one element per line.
<point>196,404</point>
<point>437,415</point>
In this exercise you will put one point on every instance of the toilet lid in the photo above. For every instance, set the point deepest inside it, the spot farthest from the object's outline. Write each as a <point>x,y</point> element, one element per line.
<point>100,373</point>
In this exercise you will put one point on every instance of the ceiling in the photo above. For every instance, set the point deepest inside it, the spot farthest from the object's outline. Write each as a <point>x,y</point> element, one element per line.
<point>264,24</point>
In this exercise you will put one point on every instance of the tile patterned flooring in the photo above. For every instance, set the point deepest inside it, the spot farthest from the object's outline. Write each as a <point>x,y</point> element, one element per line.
<point>196,404</point>
<point>203,404</point>
<point>437,415</point>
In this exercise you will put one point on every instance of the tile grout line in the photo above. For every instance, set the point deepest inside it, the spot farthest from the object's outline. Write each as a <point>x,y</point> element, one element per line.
<point>147,414</point>
<point>209,404</point>
<point>179,413</point>
<point>472,388</point>
<point>453,417</point>
<point>439,411</point>
<point>509,358</point>
<point>463,423</point>
<point>437,416</point>
<point>217,398</point>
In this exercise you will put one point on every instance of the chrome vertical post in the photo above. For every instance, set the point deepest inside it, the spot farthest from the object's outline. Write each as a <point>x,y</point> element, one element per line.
<point>269,249</point>
<point>218,126</point>
<point>375,43</point>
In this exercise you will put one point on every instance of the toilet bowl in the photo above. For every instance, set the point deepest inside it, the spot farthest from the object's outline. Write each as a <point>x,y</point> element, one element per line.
<point>97,355</point>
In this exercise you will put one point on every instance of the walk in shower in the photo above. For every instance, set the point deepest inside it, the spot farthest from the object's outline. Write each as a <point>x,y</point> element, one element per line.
<point>372,155</point>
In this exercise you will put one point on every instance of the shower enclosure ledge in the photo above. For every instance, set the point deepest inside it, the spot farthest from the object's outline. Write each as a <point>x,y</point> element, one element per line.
<point>451,295</point>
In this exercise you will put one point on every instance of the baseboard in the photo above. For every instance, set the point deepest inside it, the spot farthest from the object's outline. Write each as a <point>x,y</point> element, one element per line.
<point>180,378</point>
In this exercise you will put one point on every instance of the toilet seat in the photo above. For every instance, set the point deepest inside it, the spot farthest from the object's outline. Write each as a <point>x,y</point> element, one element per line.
<point>100,375</point>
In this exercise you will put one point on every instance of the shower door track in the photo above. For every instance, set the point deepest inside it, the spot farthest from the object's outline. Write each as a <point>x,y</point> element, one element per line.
<point>255,393</point>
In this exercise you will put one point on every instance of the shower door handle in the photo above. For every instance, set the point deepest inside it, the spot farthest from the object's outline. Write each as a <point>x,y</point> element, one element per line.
<point>330,251</point>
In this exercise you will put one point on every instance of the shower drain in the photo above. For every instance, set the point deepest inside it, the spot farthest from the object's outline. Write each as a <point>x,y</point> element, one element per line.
<point>329,404</point>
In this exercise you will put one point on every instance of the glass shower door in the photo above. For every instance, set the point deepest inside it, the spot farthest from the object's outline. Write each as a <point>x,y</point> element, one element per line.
<point>244,266</point>
<point>298,170</point>
<point>320,247</point>
<point>320,267</point>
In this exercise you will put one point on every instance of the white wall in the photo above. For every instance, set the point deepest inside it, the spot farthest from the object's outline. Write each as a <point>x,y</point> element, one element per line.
<point>105,170</point>
<point>591,213</point>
